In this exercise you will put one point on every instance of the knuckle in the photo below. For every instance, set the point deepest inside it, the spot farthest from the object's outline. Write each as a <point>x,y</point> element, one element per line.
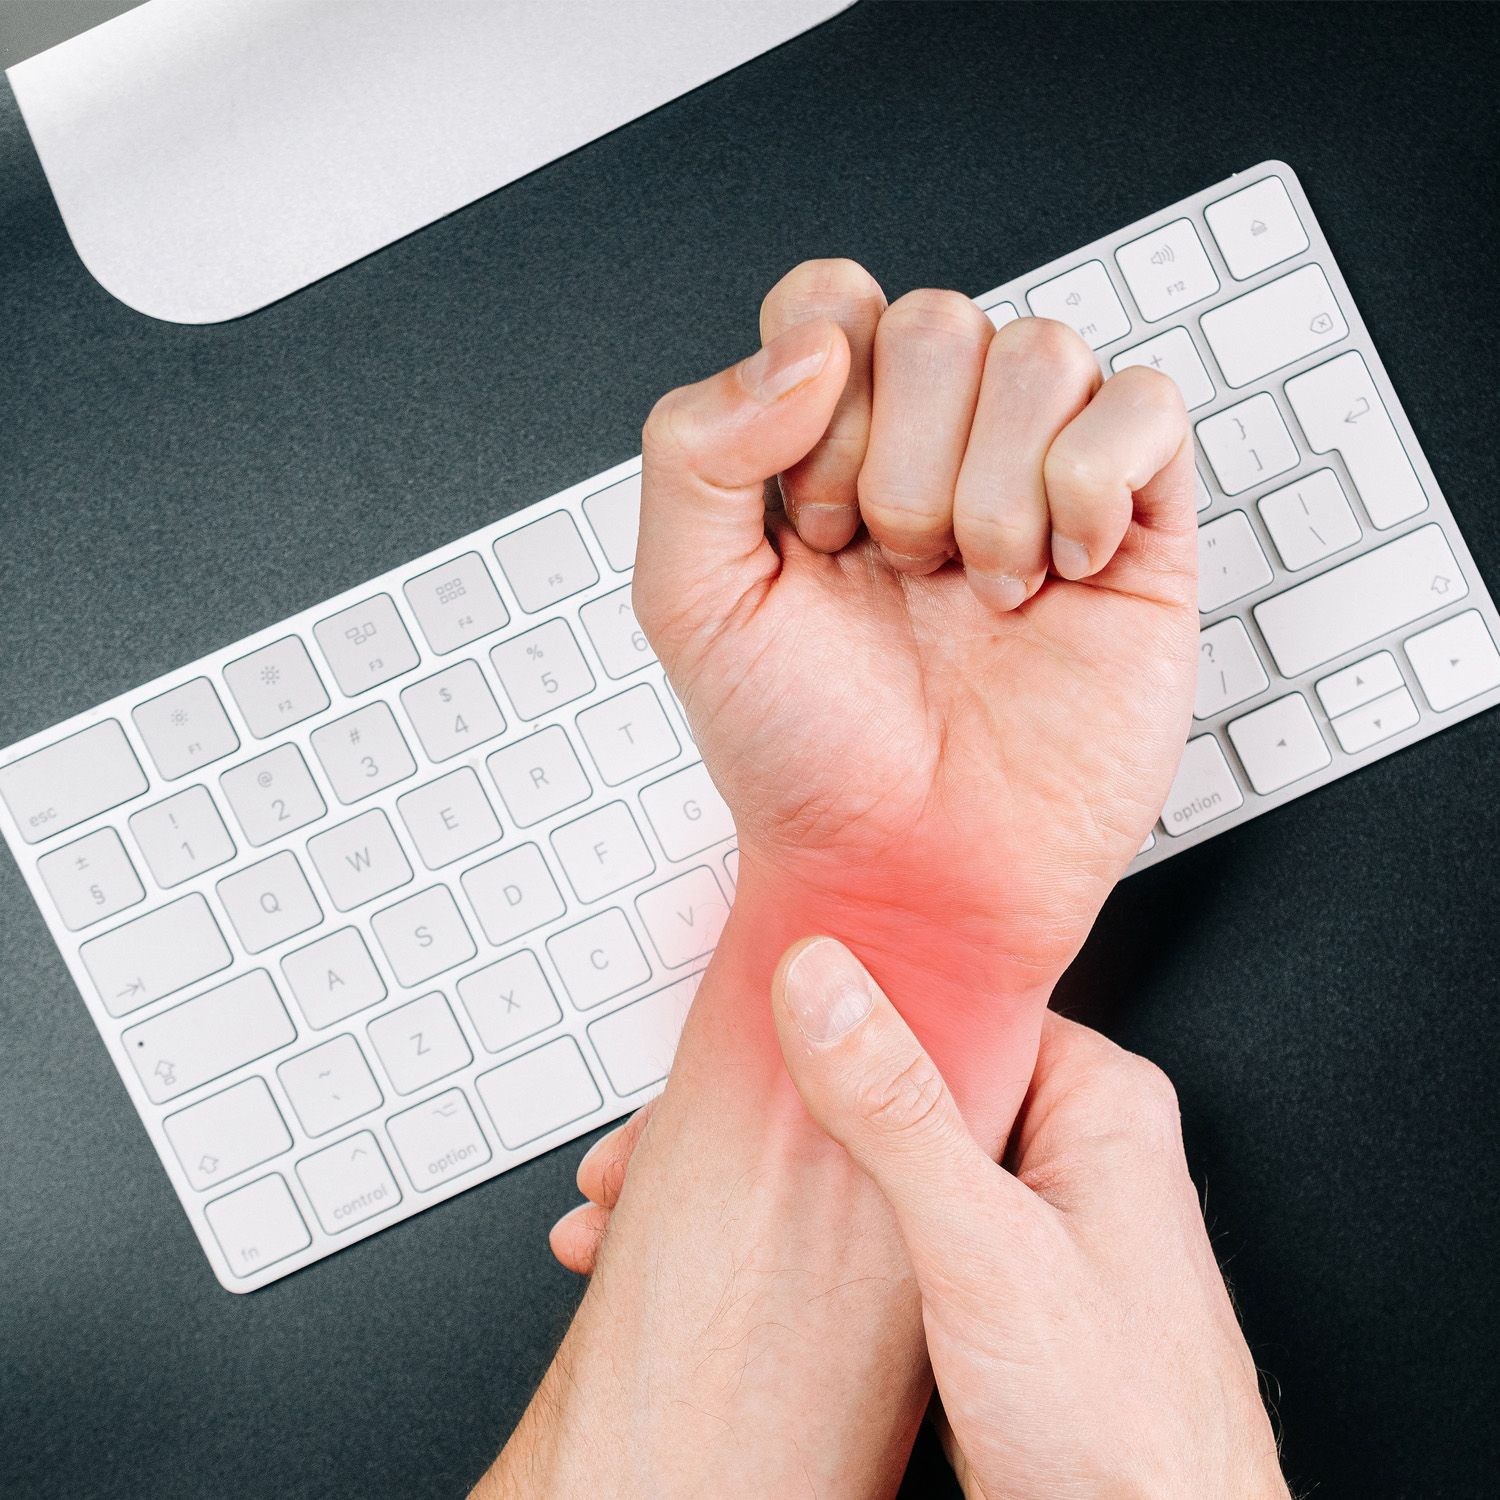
<point>834,288</point>
<point>1141,1099</point>
<point>1150,391</point>
<point>907,1104</point>
<point>1050,344</point>
<point>1071,468</point>
<point>999,533</point>
<point>938,314</point>
<point>670,431</point>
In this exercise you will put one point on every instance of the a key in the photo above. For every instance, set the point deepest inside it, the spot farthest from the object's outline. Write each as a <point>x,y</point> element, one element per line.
<point>1085,299</point>
<point>628,734</point>
<point>684,917</point>
<point>1229,669</point>
<point>611,625</point>
<point>1455,661</point>
<point>615,515</point>
<point>330,1085</point>
<point>1309,519</point>
<point>540,1092</point>
<point>156,955</point>
<point>509,1001</point>
<point>182,837</point>
<point>1173,353</point>
<point>538,776</point>
<point>1230,562</point>
<point>687,812</point>
<point>423,935</point>
<point>359,860</point>
<point>1273,326</point>
<point>227,1133</point>
<point>90,879</point>
<point>333,978</point>
<point>276,686</point>
<point>269,902</point>
<point>545,561</point>
<point>636,1043</point>
<point>1167,269</point>
<point>1375,721</point>
<point>542,669</point>
<point>64,783</point>
<point>1360,600</point>
<point>456,602</point>
<point>363,753</point>
<point>438,1140</point>
<point>366,644</point>
<point>1279,744</point>
<point>202,1039</point>
<point>449,818</point>
<point>453,711</point>
<point>348,1183</point>
<point>1247,444</point>
<point>732,867</point>
<point>185,727</point>
<point>1001,313</point>
<point>598,959</point>
<point>513,893</point>
<point>1203,789</point>
<point>1341,411</point>
<point>272,795</point>
<point>1201,497</point>
<point>419,1043</point>
<point>257,1225</point>
<point>602,852</point>
<point>1256,228</point>
<point>1362,683</point>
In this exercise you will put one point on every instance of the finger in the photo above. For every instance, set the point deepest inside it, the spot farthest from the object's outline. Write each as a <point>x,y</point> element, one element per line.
<point>929,358</point>
<point>1103,465</point>
<point>1038,376</point>
<point>601,1173</point>
<point>707,451</point>
<point>576,1237</point>
<point>820,491</point>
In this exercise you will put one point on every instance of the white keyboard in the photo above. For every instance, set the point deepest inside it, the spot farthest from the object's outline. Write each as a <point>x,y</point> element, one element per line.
<point>413,886</point>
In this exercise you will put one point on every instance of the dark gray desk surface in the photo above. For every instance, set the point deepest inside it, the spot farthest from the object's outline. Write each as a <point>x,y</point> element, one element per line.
<point>1321,984</point>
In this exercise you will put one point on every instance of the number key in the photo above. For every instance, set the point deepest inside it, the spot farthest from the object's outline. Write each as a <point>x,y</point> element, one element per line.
<point>542,669</point>
<point>616,634</point>
<point>273,794</point>
<point>452,710</point>
<point>363,752</point>
<point>182,836</point>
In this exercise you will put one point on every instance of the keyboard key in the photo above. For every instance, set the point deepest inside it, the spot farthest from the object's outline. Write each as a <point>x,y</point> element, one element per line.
<point>628,734</point>
<point>269,902</point>
<point>1001,313</point>
<point>438,1140</point>
<point>419,1043</point>
<point>1167,270</point>
<point>615,515</point>
<point>423,935</point>
<point>1273,326</point>
<point>155,955</point>
<point>1203,789</point>
<point>330,1085</point>
<point>1379,720</point>
<point>276,687</point>
<point>539,1093</point>
<point>1341,411</point>
<point>1309,519</point>
<point>359,860</point>
<point>509,1001</point>
<point>732,868</point>
<point>542,669</point>
<point>206,1037</point>
<point>1085,299</point>
<point>1201,497</point>
<point>185,728</point>
<point>598,959</point>
<point>684,917</point>
<point>348,1183</point>
<point>1173,353</point>
<point>449,818</point>
<point>182,837</point>
<point>453,711</point>
<point>1362,683</point>
<point>257,1225</point>
<point>1147,844</point>
<point>333,978</point>
<point>90,879</point>
<point>1229,669</point>
<point>545,561</point>
<point>616,634</point>
<point>1230,562</point>
<point>63,783</point>
<point>456,602</point>
<point>687,812</point>
<point>636,1043</point>
<point>1455,661</point>
<point>272,795</point>
<point>1361,600</point>
<point>602,852</point>
<point>1256,227</point>
<point>363,753</point>
<point>513,894</point>
<point>227,1133</point>
<point>539,776</point>
<point>1247,444</point>
<point>366,645</point>
<point>1279,744</point>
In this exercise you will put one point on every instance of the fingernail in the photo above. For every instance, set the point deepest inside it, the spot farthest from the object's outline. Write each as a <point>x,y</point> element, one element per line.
<point>824,527</point>
<point>1070,558</point>
<point>998,590</point>
<point>785,363</point>
<point>827,991</point>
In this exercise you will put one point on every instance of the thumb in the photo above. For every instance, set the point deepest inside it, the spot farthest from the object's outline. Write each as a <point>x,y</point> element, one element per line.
<point>707,452</point>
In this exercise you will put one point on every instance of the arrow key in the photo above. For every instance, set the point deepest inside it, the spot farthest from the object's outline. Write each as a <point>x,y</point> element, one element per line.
<point>1279,744</point>
<point>1379,720</point>
<point>1455,661</point>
